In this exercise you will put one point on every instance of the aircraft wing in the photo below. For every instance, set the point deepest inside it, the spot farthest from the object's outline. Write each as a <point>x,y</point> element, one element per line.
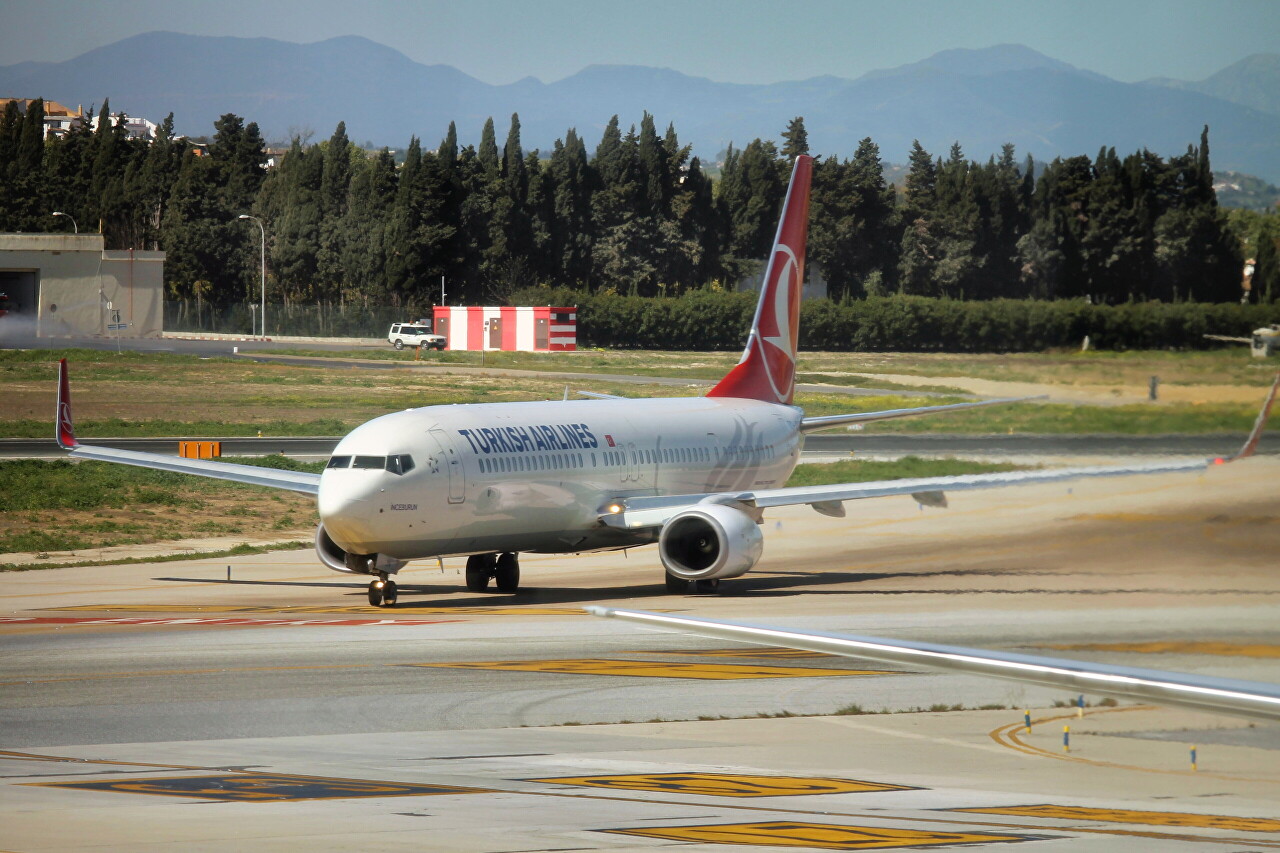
<point>294,481</point>
<point>645,511</point>
<point>654,511</point>
<point>828,421</point>
<point>1252,699</point>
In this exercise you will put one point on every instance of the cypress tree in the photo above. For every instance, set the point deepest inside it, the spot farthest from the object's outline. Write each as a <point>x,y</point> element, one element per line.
<point>488,153</point>
<point>795,140</point>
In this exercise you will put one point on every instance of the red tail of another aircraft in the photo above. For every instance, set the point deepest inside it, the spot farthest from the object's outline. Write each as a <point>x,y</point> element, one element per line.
<point>768,367</point>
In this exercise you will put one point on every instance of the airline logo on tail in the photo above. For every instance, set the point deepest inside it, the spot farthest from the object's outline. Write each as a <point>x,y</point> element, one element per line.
<point>768,366</point>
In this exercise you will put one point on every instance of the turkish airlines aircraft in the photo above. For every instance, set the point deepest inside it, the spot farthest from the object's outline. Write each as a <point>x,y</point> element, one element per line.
<point>488,481</point>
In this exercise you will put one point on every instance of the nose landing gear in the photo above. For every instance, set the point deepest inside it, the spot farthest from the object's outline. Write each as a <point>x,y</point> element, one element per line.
<point>382,592</point>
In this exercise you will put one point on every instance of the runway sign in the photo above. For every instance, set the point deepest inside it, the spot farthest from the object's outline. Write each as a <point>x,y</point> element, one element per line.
<point>408,611</point>
<point>725,784</point>
<point>826,836</point>
<point>261,787</point>
<point>1203,821</point>
<point>654,669</point>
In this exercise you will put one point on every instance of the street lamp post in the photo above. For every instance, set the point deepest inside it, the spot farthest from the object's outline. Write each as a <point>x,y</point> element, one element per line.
<point>263,232</point>
<point>69,216</point>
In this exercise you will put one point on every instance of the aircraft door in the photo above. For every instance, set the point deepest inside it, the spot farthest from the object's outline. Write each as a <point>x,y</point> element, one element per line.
<point>495,333</point>
<point>452,464</point>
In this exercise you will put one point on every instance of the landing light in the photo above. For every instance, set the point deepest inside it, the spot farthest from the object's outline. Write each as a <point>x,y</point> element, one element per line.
<point>379,584</point>
<point>613,509</point>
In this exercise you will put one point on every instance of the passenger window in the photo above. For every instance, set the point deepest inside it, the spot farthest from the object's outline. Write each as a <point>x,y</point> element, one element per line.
<point>340,462</point>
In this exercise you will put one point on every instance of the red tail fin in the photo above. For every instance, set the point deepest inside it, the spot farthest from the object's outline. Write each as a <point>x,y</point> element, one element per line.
<point>768,367</point>
<point>65,432</point>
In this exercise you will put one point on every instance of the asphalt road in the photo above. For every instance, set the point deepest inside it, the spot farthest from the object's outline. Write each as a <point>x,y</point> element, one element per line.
<point>173,681</point>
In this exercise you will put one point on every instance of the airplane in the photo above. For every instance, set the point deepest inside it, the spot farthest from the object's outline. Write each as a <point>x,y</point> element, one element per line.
<point>1250,699</point>
<point>490,481</point>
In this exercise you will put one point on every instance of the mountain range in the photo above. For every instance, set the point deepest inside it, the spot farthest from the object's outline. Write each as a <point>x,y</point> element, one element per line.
<point>979,98</point>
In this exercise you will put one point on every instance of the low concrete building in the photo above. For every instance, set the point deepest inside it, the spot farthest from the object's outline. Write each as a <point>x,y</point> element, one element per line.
<point>67,285</point>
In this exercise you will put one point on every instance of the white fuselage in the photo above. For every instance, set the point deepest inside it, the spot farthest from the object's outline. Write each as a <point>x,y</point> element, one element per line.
<point>537,476</point>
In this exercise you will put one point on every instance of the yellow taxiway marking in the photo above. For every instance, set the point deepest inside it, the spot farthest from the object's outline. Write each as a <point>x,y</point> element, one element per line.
<point>1011,735</point>
<point>725,784</point>
<point>1207,821</point>
<point>750,652</point>
<point>260,787</point>
<point>827,836</point>
<point>977,824</point>
<point>1244,650</point>
<point>654,669</point>
<point>389,612</point>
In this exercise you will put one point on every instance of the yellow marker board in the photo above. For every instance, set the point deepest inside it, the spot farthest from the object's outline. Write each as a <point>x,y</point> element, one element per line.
<point>725,784</point>
<point>261,787</point>
<point>826,836</point>
<point>653,669</point>
<point>1204,821</point>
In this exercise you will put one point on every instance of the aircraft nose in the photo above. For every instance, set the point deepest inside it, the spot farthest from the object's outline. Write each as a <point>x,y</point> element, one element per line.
<point>343,510</point>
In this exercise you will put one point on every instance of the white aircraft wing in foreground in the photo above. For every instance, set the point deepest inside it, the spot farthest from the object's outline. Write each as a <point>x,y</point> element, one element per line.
<point>1252,699</point>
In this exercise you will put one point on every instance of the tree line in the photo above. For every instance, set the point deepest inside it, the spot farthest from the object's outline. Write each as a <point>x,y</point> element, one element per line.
<point>638,215</point>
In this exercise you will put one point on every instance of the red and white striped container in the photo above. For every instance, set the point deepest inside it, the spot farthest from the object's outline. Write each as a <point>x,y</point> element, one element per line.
<point>524,329</point>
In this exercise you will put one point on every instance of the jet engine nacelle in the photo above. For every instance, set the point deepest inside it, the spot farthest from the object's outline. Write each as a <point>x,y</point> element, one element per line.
<point>333,556</point>
<point>709,542</point>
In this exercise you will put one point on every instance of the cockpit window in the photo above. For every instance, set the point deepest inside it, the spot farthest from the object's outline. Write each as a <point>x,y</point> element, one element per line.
<point>339,462</point>
<point>401,464</point>
<point>378,462</point>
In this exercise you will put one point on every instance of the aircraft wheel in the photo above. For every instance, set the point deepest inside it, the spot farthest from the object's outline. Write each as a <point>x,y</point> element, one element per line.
<point>479,570</point>
<point>375,594</point>
<point>507,573</point>
<point>706,587</point>
<point>676,584</point>
<point>389,593</point>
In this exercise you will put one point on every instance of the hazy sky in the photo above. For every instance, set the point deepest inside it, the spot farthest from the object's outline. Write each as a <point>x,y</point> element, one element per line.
<point>747,41</point>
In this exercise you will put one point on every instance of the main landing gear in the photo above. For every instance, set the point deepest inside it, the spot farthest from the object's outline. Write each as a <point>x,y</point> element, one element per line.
<point>503,568</point>
<point>382,592</point>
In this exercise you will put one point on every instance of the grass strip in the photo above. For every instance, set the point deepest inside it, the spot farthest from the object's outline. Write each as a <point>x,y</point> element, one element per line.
<point>236,551</point>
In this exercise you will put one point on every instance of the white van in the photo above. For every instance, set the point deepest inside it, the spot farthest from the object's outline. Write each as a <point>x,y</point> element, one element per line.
<point>414,335</point>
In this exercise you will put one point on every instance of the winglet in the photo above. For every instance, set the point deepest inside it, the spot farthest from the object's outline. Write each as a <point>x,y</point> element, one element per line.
<point>768,366</point>
<point>1251,443</point>
<point>65,431</point>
